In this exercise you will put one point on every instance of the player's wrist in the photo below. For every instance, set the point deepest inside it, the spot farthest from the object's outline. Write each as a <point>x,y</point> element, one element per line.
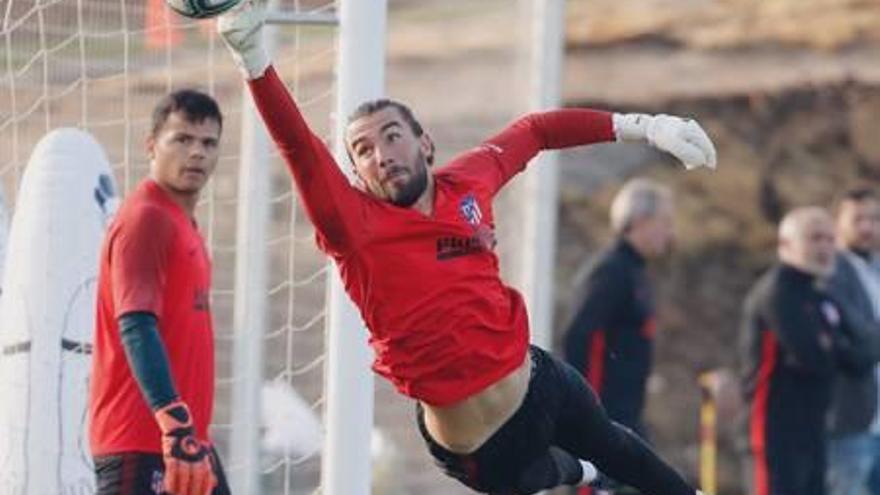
<point>253,64</point>
<point>631,126</point>
<point>187,459</point>
<point>174,419</point>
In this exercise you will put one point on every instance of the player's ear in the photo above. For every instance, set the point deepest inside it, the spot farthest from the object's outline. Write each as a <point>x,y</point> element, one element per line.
<point>427,146</point>
<point>359,183</point>
<point>150,146</point>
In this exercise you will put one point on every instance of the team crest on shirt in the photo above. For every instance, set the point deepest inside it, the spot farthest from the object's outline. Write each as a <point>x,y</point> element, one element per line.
<point>483,238</point>
<point>470,209</point>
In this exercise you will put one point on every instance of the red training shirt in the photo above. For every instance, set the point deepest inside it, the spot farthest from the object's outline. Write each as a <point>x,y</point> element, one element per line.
<point>442,323</point>
<point>153,259</point>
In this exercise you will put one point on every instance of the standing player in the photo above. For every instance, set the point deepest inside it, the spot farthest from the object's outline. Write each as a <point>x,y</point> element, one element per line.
<point>152,388</point>
<point>414,247</point>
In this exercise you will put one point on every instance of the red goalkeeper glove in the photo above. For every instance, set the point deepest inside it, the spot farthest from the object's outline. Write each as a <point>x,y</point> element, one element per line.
<point>187,460</point>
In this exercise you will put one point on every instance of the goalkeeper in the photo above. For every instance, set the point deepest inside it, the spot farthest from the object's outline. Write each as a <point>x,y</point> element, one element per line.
<point>414,245</point>
<point>152,385</point>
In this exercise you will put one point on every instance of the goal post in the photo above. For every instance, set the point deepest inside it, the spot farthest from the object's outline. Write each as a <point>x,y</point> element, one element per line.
<point>251,300</point>
<point>545,21</point>
<point>349,382</point>
<point>360,74</point>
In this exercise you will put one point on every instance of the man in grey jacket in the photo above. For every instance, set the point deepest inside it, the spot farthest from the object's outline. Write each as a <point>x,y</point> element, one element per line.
<point>854,422</point>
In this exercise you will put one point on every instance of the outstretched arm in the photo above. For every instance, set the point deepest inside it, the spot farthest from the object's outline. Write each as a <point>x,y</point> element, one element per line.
<point>512,148</point>
<point>332,204</point>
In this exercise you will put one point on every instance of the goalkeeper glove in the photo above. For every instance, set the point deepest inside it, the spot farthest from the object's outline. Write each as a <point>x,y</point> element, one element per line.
<point>187,460</point>
<point>682,138</point>
<point>241,31</point>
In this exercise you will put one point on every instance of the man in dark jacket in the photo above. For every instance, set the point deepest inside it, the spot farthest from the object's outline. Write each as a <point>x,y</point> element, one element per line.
<point>854,426</point>
<point>794,341</point>
<point>610,338</point>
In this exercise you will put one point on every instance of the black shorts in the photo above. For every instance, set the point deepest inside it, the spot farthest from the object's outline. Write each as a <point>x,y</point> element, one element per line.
<point>140,473</point>
<point>525,436</point>
<point>559,414</point>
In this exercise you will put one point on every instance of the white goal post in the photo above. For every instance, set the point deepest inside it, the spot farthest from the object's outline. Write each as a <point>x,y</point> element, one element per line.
<point>360,70</point>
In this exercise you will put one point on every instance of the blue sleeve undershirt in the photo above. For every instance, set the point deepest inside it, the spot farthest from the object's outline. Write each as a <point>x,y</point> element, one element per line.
<point>147,358</point>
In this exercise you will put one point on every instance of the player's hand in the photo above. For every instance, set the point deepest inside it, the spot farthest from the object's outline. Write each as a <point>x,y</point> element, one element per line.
<point>187,460</point>
<point>682,138</point>
<point>241,31</point>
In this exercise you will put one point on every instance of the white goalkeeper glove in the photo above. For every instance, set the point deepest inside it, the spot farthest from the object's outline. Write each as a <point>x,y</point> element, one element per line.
<point>682,138</point>
<point>241,30</point>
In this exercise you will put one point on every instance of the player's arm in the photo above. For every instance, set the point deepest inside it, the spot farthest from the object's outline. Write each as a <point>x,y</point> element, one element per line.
<point>603,297</point>
<point>856,340</point>
<point>138,264</point>
<point>858,346</point>
<point>522,140</point>
<point>139,331</point>
<point>329,199</point>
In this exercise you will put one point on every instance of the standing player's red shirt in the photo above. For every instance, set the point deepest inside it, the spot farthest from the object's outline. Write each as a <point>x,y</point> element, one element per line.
<point>153,259</point>
<point>442,323</point>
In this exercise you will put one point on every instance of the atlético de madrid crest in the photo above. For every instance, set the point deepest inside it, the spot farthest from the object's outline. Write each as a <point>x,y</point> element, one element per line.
<point>470,209</point>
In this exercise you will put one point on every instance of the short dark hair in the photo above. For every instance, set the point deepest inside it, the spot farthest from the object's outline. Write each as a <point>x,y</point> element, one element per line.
<point>194,104</point>
<point>370,107</point>
<point>856,195</point>
<point>859,194</point>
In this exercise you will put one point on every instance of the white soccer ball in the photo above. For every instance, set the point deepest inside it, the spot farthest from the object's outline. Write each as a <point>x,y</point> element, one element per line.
<point>201,9</point>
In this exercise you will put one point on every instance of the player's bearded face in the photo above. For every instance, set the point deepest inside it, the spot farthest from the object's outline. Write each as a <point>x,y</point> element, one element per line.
<point>389,159</point>
<point>410,186</point>
<point>858,224</point>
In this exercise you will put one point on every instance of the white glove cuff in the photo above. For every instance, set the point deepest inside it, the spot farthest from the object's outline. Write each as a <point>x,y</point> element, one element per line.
<point>631,126</point>
<point>253,62</point>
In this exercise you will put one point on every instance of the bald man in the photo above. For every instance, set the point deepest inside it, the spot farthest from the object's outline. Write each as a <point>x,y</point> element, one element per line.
<point>794,340</point>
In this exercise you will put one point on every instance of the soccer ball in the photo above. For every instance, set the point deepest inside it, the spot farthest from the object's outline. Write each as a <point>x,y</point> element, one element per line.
<point>201,9</point>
